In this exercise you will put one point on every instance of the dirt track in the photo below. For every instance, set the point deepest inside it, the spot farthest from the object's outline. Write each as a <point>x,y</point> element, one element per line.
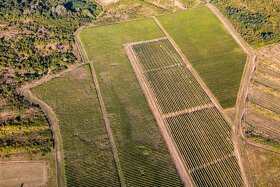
<point>56,134</point>
<point>238,133</point>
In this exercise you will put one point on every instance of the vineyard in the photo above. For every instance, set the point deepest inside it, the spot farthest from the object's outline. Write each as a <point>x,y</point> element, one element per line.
<point>87,152</point>
<point>210,49</point>
<point>262,115</point>
<point>143,154</point>
<point>201,134</point>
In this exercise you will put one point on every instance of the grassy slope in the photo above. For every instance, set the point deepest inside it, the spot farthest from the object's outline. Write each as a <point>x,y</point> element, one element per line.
<point>88,156</point>
<point>211,50</point>
<point>143,153</point>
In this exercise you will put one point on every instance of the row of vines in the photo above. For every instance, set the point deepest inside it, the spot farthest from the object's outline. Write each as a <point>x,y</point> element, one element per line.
<point>202,136</point>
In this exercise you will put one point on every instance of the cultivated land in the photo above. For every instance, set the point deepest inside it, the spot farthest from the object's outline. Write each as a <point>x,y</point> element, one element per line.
<point>202,136</point>
<point>143,154</point>
<point>87,151</point>
<point>262,115</point>
<point>29,173</point>
<point>210,49</point>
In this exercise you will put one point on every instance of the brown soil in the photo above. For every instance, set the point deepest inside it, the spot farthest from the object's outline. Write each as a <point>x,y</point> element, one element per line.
<point>15,174</point>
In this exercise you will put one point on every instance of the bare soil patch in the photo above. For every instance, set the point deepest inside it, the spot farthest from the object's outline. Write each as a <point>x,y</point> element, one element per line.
<point>106,2</point>
<point>15,174</point>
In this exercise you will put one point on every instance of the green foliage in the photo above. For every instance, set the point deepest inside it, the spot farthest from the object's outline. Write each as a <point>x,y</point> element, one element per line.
<point>87,8</point>
<point>143,154</point>
<point>210,49</point>
<point>257,21</point>
<point>254,20</point>
<point>36,39</point>
<point>87,151</point>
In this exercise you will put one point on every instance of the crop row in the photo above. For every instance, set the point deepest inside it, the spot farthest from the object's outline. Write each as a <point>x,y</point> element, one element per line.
<point>220,174</point>
<point>264,99</point>
<point>202,136</point>
<point>156,54</point>
<point>175,87</point>
<point>262,124</point>
<point>268,71</point>
<point>273,84</point>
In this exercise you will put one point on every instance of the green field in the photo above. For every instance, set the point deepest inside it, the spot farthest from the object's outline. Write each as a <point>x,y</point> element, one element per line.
<point>87,152</point>
<point>143,154</point>
<point>202,135</point>
<point>211,50</point>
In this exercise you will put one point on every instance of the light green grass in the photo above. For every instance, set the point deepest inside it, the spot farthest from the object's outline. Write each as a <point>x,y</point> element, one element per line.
<point>211,50</point>
<point>88,156</point>
<point>143,154</point>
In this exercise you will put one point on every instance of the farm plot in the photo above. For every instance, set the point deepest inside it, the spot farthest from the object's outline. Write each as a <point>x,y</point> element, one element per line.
<point>14,174</point>
<point>262,112</point>
<point>88,157</point>
<point>210,49</point>
<point>201,134</point>
<point>143,154</point>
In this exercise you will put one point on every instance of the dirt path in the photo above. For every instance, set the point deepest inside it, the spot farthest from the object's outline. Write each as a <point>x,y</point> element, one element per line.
<point>244,85</point>
<point>102,108</point>
<point>176,157</point>
<point>211,96</point>
<point>46,78</point>
<point>53,121</point>
<point>236,36</point>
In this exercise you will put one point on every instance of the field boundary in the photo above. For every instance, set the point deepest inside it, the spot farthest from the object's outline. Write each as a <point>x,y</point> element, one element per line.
<point>51,117</point>
<point>211,96</point>
<point>47,171</point>
<point>176,157</point>
<point>231,30</point>
<point>54,125</point>
<point>102,107</point>
<point>108,126</point>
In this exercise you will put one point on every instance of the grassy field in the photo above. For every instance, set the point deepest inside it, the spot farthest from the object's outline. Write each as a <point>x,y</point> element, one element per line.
<point>143,154</point>
<point>211,50</point>
<point>88,155</point>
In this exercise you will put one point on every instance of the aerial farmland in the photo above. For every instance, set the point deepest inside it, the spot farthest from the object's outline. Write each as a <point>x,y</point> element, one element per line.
<point>141,93</point>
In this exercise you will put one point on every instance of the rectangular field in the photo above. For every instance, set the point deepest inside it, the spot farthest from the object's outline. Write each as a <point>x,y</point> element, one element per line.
<point>143,154</point>
<point>201,134</point>
<point>87,151</point>
<point>29,173</point>
<point>210,49</point>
